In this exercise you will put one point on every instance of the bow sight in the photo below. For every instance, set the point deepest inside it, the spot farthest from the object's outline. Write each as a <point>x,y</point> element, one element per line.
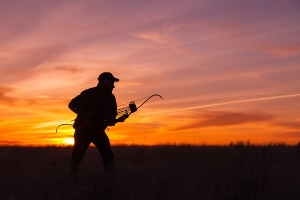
<point>131,108</point>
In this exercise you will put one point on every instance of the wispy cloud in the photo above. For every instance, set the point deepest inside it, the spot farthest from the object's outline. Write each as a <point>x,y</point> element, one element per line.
<point>68,69</point>
<point>288,135</point>
<point>231,102</point>
<point>17,66</point>
<point>222,118</point>
<point>286,51</point>
<point>152,36</point>
<point>4,99</point>
<point>288,124</point>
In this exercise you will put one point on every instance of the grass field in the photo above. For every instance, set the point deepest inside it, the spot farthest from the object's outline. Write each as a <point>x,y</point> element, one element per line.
<point>237,171</point>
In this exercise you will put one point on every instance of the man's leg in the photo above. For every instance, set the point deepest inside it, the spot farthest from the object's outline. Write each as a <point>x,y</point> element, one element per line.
<point>101,141</point>
<point>81,143</point>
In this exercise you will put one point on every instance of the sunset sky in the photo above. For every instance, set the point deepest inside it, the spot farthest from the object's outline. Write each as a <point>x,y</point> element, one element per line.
<point>227,70</point>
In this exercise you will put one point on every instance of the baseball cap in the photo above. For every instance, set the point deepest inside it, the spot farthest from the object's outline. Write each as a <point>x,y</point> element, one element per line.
<point>107,75</point>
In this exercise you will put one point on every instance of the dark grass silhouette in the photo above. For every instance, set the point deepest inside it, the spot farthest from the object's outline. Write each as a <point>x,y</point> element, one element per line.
<point>236,171</point>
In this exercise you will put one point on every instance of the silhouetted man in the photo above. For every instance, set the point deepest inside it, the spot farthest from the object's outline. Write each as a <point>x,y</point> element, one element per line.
<point>96,108</point>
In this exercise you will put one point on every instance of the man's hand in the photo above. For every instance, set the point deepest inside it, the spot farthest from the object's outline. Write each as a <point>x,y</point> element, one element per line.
<point>122,118</point>
<point>111,123</point>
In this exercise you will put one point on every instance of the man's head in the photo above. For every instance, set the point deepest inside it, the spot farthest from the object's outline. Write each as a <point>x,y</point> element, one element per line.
<point>107,75</point>
<point>106,82</point>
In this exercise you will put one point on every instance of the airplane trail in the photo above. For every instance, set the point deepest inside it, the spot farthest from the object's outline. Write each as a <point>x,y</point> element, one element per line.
<point>229,102</point>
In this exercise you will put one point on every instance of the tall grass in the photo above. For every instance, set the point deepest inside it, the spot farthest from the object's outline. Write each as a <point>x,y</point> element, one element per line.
<point>236,171</point>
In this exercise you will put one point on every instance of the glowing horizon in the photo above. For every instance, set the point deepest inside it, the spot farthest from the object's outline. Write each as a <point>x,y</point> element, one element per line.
<point>227,71</point>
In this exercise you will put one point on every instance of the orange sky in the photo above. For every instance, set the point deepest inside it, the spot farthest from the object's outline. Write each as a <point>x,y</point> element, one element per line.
<point>227,70</point>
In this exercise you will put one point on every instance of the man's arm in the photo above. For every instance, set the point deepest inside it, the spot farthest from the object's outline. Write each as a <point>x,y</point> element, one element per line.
<point>77,104</point>
<point>120,119</point>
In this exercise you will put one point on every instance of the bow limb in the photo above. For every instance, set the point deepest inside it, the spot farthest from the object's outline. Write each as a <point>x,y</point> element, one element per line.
<point>62,125</point>
<point>148,99</point>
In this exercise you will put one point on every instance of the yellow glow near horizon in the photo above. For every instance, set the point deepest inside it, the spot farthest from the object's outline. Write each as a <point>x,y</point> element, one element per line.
<point>68,141</point>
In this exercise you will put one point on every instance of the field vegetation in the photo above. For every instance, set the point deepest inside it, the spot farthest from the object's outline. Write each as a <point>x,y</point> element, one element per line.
<point>236,171</point>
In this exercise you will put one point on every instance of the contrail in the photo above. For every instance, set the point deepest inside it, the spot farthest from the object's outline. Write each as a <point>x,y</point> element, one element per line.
<point>229,102</point>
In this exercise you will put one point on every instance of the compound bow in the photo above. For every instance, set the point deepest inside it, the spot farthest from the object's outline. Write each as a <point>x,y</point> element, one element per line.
<point>126,110</point>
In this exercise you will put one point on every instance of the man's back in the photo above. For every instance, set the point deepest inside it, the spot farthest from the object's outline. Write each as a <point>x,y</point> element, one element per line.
<point>93,99</point>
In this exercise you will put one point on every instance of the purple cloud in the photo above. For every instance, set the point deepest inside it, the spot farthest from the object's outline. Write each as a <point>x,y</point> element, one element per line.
<point>222,118</point>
